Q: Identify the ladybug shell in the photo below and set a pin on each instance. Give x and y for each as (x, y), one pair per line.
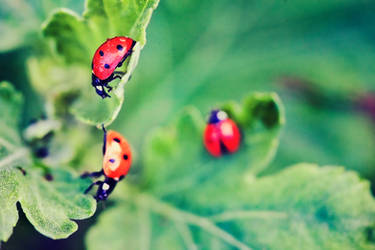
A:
(222, 137)
(117, 156)
(110, 54)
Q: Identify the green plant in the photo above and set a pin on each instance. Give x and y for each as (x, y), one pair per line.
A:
(177, 196)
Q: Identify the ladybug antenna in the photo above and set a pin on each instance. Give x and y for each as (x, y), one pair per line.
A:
(103, 128)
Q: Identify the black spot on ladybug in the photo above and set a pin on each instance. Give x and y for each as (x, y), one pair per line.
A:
(125, 157)
(117, 140)
(223, 148)
(106, 66)
(119, 47)
(101, 53)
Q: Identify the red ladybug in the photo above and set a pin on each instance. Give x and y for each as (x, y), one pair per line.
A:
(110, 55)
(221, 134)
(116, 164)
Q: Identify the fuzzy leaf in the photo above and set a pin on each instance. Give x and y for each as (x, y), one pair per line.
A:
(48, 205)
(76, 39)
(311, 208)
(304, 206)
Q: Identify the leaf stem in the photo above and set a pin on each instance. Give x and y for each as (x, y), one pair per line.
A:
(145, 222)
(248, 214)
(175, 214)
(185, 233)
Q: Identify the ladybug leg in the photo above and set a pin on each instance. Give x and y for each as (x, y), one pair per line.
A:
(105, 189)
(117, 76)
(119, 73)
(104, 94)
(92, 185)
(92, 174)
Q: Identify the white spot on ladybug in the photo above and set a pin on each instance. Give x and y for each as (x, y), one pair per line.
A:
(226, 129)
(99, 88)
(114, 148)
(112, 155)
(222, 115)
(116, 179)
(105, 186)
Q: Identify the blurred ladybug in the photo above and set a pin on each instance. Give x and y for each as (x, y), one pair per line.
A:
(109, 56)
(116, 164)
(221, 135)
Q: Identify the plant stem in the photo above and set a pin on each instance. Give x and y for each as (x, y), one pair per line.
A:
(261, 214)
(175, 214)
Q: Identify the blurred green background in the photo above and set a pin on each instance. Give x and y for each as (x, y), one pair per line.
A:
(319, 56)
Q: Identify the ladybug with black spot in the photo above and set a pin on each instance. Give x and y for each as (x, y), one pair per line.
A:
(221, 135)
(109, 56)
(116, 164)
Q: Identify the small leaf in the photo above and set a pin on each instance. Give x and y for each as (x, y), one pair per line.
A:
(169, 151)
(8, 199)
(40, 129)
(76, 39)
(93, 110)
(49, 205)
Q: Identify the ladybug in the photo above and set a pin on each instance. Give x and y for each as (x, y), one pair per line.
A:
(116, 164)
(109, 56)
(221, 135)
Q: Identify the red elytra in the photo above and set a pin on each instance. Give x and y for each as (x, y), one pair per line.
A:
(110, 55)
(221, 135)
(116, 164)
(117, 156)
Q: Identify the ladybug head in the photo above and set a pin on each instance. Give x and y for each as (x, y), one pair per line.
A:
(105, 189)
(103, 195)
(99, 86)
(217, 116)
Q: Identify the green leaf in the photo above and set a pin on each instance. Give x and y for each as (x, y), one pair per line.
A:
(48, 205)
(8, 199)
(304, 206)
(21, 28)
(93, 110)
(170, 150)
(76, 38)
